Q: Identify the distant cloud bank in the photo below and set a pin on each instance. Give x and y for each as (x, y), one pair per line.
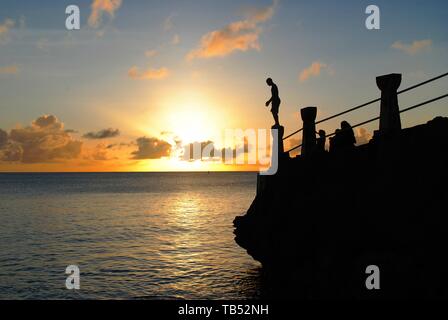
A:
(46, 141)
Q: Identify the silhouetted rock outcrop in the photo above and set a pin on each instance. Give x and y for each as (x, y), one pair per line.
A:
(321, 220)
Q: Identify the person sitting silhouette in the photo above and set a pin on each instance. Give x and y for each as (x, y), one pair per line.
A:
(334, 141)
(346, 139)
(320, 143)
(274, 101)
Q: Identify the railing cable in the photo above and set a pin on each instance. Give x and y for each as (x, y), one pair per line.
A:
(370, 102)
(422, 83)
(377, 118)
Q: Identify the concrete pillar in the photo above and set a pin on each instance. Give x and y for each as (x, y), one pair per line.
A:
(280, 134)
(309, 129)
(389, 113)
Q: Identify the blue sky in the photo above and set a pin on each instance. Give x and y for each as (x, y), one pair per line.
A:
(82, 77)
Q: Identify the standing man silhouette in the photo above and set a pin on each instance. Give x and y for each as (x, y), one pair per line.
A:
(275, 100)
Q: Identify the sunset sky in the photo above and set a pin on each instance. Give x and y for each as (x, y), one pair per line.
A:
(143, 79)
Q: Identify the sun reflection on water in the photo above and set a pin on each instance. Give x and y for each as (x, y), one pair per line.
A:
(155, 236)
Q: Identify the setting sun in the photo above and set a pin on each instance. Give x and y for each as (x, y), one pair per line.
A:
(193, 118)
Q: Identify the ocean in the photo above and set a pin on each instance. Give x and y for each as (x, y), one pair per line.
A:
(132, 235)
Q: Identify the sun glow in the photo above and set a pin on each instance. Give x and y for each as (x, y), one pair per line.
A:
(190, 125)
(194, 118)
(179, 117)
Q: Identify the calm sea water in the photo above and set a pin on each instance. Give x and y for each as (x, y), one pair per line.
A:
(133, 235)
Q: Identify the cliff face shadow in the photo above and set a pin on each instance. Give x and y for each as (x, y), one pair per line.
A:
(321, 220)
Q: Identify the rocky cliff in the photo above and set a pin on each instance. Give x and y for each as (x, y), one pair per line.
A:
(321, 220)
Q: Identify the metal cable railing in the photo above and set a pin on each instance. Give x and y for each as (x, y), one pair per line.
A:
(377, 118)
(370, 102)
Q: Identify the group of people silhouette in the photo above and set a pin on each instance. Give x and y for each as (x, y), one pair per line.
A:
(343, 139)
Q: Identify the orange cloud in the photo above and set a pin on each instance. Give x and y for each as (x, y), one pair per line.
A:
(313, 70)
(9, 70)
(103, 6)
(362, 136)
(237, 36)
(413, 48)
(150, 74)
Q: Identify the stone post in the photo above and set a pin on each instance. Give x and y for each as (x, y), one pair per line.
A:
(281, 133)
(309, 130)
(390, 122)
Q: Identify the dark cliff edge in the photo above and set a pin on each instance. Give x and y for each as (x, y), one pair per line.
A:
(320, 221)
